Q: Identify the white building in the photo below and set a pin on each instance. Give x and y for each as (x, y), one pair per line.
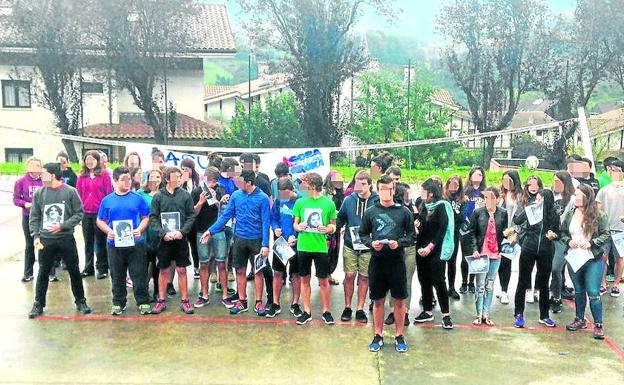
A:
(108, 112)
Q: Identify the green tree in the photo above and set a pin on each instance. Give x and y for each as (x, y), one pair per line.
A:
(380, 116)
(275, 126)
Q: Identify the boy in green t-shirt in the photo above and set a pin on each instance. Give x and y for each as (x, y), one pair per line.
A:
(315, 217)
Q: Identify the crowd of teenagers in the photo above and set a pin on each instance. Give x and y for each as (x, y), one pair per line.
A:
(143, 224)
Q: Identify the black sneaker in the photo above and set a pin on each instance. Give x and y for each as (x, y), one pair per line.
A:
(274, 309)
(303, 318)
(53, 278)
(295, 310)
(360, 317)
(102, 274)
(347, 313)
(36, 310)
(471, 288)
(87, 273)
(447, 323)
(82, 307)
(27, 278)
(250, 276)
(453, 294)
(389, 319)
(233, 297)
(328, 318)
(567, 293)
(400, 345)
(423, 317)
(196, 274)
(463, 289)
(556, 306)
(377, 343)
(171, 291)
(406, 321)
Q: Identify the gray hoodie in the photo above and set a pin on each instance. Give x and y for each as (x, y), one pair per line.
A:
(55, 205)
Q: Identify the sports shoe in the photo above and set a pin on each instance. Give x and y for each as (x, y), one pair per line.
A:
(360, 316)
(400, 345)
(376, 344)
(218, 288)
(328, 318)
(519, 322)
(231, 277)
(159, 307)
(36, 310)
(228, 303)
(548, 322)
(576, 325)
(82, 307)
(447, 322)
(303, 318)
(186, 307)
(201, 302)
(260, 309)
(196, 274)
(231, 292)
(615, 291)
(603, 290)
(102, 274)
(213, 278)
(390, 319)
(463, 289)
(250, 276)
(423, 317)
(27, 278)
(117, 310)
(504, 298)
(556, 306)
(239, 307)
(87, 273)
(471, 288)
(274, 310)
(347, 313)
(567, 293)
(145, 309)
(171, 291)
(453, 294)
(529, 298)
(295, 310)
(610, 278)
(598, 332)
(53, 278)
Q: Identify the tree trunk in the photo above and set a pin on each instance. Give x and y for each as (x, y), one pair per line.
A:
(488, 152)
(154, 122)
(71, 150)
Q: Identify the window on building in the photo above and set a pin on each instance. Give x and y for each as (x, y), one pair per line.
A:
(16, 93)
(17, 155)
(92, 87)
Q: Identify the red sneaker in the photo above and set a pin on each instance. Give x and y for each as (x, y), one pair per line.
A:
(186, 307)
(159, 307)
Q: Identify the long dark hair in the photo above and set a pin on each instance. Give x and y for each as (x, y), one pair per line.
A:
(568, 186)
(458, 196)
(525, 191)
(146, 186)
(469, 189)
(515, 178)
(190, 163)
(85, 170)
(590, 213)
(433, 186)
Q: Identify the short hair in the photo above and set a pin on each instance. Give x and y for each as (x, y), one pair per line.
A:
(170, 170)
(396, 170)
(62, 154)
(588, 161)
(256, 158)
(54, 169)
(122, 226)
(246, 157)
(33, 159)
(384, 160)
(214, 159)
(285, 184)
(248, 176)
(57, 207)
(212, 173)
(227, 163)
(314, 180)
(282, 169)
(608, 161)
(574, 157)
(364, 175)
(493, 190)
(119, 171)
(618, 163)
(384, 179)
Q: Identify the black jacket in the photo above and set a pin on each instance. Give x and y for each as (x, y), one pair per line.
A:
(432, 227)
(180, 201)
(478, 227)
(533, 238)
(394, 223)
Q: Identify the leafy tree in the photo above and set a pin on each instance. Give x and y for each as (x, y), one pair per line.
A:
(275, 126)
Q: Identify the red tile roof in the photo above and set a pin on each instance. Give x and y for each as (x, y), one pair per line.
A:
(133, 126)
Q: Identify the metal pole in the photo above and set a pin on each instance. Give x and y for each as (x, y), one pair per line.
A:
(409, 84)
(249, 102)
(166, 106)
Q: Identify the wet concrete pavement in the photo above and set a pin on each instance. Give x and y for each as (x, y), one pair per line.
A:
(213, 347)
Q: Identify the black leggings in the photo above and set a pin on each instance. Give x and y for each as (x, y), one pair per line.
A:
(431, 275)
(504, 273)
(93, 237)
(528, 259)
(451, 264)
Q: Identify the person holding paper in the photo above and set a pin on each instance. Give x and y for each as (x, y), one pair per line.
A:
(475, 185)
(282, 221)
(485, 238)
(510, 193)
(355, 258)
(586, 227)
(536, 240)
(432, 221)
(387, 228)
(454, 194)
(611, 200)
(129, 207)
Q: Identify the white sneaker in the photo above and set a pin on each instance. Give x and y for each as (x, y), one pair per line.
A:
(529, 296)
(504, 298)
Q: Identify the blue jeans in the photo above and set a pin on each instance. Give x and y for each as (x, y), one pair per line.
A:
(217, 243)
(587, 284)
(485, 288)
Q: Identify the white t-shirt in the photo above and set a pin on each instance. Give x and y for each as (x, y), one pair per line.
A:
(612, 199)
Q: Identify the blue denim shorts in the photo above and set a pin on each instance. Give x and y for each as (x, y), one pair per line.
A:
(215, 248)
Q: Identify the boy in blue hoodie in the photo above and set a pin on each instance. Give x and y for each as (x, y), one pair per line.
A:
(282, 220)
(356, 257)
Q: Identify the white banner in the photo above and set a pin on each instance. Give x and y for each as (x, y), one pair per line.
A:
(300, 160)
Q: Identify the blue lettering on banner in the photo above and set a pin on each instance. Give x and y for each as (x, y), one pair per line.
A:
(305, 162)
(172, 158)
